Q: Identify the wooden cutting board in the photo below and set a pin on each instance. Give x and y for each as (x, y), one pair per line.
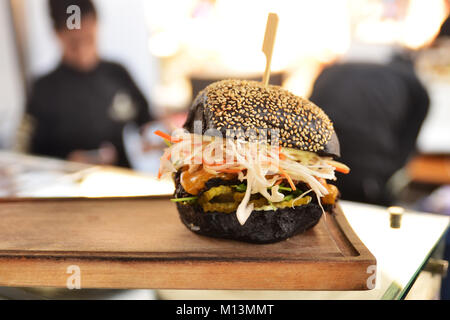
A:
(141, 243)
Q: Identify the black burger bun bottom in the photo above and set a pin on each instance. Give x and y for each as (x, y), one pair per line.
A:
(261, 226)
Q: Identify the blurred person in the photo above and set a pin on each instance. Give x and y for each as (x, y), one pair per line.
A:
(444, 31)
(80, 108)
(377, 111)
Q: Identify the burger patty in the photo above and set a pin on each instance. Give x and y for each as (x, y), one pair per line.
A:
(215, 182)
(230, 206)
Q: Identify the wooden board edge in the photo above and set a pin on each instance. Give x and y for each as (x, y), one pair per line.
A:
(184, 257)
(62, 199)
(352, 237)
(23, 272)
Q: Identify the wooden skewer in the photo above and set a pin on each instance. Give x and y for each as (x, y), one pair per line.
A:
(269, 41)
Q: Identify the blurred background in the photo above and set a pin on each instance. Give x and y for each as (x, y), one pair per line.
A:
(379, 69)
(93, 96)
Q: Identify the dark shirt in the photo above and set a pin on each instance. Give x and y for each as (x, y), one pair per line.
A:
(377, 111)
(76, 110)
(445, 28)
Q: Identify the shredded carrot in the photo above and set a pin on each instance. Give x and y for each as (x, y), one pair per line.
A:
(322, 181)
(282, 156)
(230, 170)
(339, 167)
(218, 163)
(159, 173)
(288, 178)
(278, 182)
(168, 156)
(342, 170)
(212, 164)
(167, 137)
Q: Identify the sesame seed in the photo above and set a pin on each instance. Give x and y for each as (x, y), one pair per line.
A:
(249, 104)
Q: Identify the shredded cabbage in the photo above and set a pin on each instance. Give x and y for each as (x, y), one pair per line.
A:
(260, 165)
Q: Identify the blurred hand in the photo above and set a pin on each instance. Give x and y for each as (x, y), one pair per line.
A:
(105, 155)
(148, 146)
(148, 143)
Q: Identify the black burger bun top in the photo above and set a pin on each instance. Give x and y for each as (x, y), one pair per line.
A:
(241, 105)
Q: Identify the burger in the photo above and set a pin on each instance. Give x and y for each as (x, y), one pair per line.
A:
(252, 163)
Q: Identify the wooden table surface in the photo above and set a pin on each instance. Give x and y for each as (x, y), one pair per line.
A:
(433, 169)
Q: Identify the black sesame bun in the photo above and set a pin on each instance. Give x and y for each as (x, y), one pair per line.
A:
(240, 104)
